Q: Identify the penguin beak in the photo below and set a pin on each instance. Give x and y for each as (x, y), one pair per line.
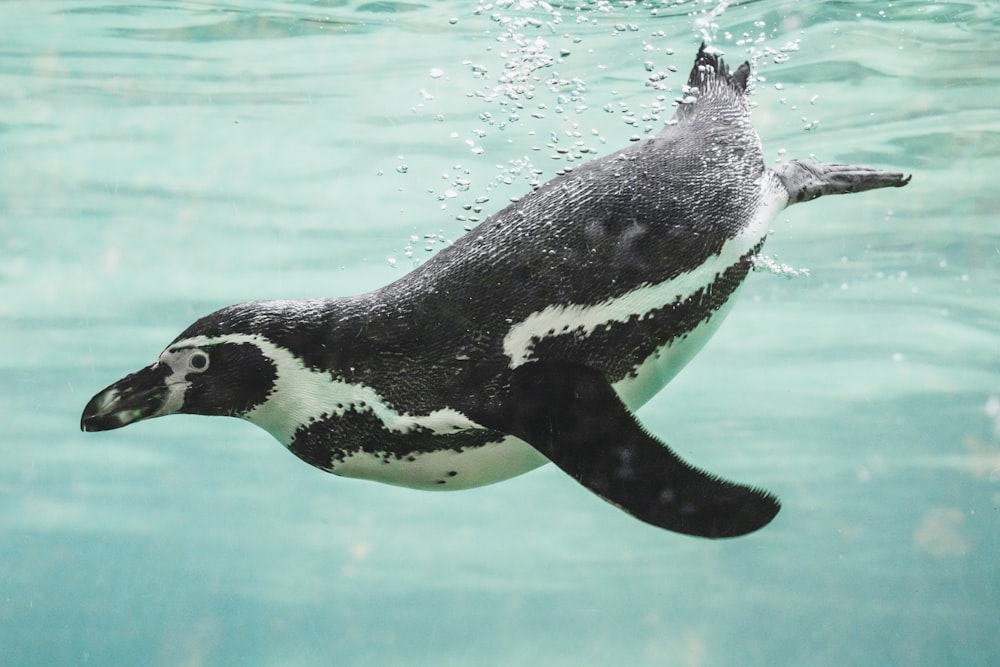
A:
(140, 395)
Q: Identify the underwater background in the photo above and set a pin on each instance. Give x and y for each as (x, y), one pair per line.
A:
(160, 160)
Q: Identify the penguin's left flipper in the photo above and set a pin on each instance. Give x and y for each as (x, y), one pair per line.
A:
(571, 414)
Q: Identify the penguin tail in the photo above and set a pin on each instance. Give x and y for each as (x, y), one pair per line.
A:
(711, 86)
(711, 71)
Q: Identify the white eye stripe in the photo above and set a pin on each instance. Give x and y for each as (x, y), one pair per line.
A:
(301, 395)
(185, 360)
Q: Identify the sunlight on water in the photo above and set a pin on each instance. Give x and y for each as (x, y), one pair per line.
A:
(162, 160)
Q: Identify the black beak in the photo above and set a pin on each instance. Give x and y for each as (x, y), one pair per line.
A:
(140, 395)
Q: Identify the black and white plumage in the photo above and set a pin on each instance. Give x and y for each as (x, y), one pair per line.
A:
(532, 338)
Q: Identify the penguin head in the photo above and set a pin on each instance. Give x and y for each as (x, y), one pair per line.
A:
(220, 375)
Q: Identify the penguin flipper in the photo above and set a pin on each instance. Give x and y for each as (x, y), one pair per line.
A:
(571, 414)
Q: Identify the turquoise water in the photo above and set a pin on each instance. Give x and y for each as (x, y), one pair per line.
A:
(161, 160)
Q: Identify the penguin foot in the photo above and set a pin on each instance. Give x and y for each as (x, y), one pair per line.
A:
(808, 180)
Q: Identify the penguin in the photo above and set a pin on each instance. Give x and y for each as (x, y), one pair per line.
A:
(531, 339)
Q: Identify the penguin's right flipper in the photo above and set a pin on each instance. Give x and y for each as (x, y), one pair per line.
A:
(571, 414)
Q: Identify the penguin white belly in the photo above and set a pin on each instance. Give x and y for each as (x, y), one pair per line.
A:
(446, 469)
(667, 361)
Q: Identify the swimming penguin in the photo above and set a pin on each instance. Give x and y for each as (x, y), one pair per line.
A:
(532, 338)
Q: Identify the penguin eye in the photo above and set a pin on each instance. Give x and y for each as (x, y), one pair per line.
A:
(197, 361)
